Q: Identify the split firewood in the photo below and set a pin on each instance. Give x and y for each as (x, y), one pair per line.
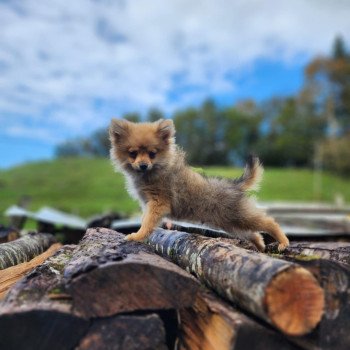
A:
(279, 292)
(24, 249)
(211, 324)
(42, 309)
(104, 265)
(36, 313)
(9, 276)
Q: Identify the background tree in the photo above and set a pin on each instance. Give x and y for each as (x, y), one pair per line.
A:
(328, 83)
(154, 114)
(292, 134)
(201, 132)
(283, 131)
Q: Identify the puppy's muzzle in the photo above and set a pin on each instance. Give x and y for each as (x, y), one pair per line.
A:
(143, 167)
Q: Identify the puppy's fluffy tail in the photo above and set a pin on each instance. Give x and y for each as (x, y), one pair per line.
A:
(250, 179)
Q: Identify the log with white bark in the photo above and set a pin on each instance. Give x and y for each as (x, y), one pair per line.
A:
(282, 293)
(24, 248)
(9, 276)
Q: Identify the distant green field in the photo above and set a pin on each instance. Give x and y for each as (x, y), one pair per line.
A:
(89, 186)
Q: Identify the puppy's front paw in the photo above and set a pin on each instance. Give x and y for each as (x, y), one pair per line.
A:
(136, 236)
(283, 246)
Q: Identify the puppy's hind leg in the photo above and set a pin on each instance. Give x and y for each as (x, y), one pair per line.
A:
(269, 225)
(255, 237)
(258, 240)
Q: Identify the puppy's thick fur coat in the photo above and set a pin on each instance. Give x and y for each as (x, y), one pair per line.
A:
(157, 175)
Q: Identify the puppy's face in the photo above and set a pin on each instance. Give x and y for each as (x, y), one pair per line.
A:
(141, 147)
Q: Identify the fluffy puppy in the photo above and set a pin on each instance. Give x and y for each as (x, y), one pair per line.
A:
(157, 176)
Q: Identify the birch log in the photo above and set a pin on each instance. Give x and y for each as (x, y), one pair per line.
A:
(9, 276)
(279, 292)
(24, 249)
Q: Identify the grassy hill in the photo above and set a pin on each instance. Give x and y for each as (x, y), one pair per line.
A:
(89, 186)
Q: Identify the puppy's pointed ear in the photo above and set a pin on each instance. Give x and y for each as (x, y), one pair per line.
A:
(118, 129)
(166, 130)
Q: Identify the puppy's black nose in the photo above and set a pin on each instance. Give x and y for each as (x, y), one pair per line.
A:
(143, 167)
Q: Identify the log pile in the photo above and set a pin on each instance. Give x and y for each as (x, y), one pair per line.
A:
(179, 291)
(108, 290)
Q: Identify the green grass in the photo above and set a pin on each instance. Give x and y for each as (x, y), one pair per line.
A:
(89, 186)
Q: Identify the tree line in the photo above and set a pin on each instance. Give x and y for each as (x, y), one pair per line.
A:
(310, 128)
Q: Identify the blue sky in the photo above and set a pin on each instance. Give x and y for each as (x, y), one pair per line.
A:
(65, 70)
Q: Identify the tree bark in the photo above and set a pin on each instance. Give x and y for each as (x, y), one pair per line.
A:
(127, 332)
(211, 323)
(24, 249)
(144, 280)
(208, 232)
(281, 293)
(335, 251)
(9, 276)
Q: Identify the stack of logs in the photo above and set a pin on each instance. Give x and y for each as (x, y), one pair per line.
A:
(178, 291)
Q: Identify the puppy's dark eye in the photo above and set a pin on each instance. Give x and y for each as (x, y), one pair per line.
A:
(152, 155)
(133, 154)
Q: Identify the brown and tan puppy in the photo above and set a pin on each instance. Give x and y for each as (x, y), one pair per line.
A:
(157, 175)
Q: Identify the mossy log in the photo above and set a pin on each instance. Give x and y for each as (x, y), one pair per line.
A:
(9, 276)
(279, 292)
(335, 251)
(211, 324)
(24, 249)
(145, 281)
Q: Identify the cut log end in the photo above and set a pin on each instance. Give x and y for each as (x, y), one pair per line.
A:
(295, 301)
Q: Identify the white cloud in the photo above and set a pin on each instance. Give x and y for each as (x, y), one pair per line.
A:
(58, 59)
(40, 134)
